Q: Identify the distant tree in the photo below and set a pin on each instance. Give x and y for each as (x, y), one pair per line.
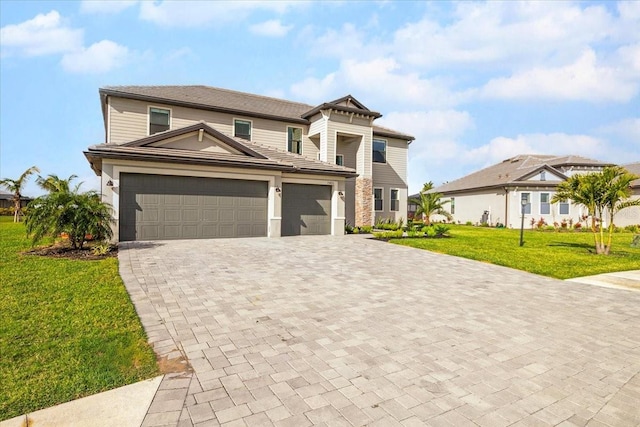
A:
(15, 186)
(604, 194)
(67, 210)
(429, 204)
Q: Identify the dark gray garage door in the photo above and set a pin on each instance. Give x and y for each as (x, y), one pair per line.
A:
(306, 209)
(159, 207)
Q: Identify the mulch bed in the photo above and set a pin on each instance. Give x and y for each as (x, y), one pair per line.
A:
(65, 251)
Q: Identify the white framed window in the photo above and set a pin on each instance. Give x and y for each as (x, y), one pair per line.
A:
(242, 129)
(395, 200)
(339, 160)
(526, 197)
(294, 140)
(159, 120)
(545, 206)
(378, 202)
(563, 208)
(379, 151)
(543, 175)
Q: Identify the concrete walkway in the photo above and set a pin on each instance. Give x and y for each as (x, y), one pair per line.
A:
(626, 280)
(349, 331)
(123, 407)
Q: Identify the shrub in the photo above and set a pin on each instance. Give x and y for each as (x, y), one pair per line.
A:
(386, 235)
(415, 233)
(577, 226)
(468, 223)
(541, 223)
(635, 228)
(441, 230)
(366, 229)
(355, 230)
(76, 214)
(348, 228)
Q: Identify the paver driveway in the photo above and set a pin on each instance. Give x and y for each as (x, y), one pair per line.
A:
(349, 331)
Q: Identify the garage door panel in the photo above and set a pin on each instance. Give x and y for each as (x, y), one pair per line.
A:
(190, 215)
(191, 200)
(210, 215)
(156, 207)
(172, 200)
(189, 232)
(306, 209)
(150, 215)
(172, 215)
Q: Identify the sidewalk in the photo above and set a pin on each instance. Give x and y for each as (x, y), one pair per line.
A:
(628, 280)
(125, 406)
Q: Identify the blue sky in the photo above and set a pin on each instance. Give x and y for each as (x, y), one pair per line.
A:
(475, 83)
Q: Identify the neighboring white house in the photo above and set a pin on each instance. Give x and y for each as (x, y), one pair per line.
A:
(182, 162)
(631, 216)
(494, 195)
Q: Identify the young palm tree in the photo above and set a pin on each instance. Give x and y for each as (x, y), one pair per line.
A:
(603, 194)
(54, 184)
(16, 186)
(430, 204)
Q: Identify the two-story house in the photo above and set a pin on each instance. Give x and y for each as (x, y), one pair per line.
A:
(182, 162)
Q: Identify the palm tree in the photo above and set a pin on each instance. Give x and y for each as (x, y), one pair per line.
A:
(54, 184)
(429, 204)
(603, 194)
(16, 186)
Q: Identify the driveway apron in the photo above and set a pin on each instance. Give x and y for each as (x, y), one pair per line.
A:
(321, 330)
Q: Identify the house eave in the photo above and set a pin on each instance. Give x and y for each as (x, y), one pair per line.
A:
(168, 101)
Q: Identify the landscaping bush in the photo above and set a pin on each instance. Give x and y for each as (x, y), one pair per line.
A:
(441, 230)
(386, 235)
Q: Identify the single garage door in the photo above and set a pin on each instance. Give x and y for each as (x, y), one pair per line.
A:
(160, 207)
(306, 209)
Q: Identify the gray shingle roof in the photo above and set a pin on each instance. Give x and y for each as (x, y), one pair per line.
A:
(514, 170)
(255, 155)
(225, 100)
(634, 168)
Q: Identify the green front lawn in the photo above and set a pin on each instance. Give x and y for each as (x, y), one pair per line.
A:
(562, 255)
(67, 328)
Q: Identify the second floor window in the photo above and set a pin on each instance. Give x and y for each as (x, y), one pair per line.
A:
(395, 202)
(339, 160)
(294, 140)
(159, 120)
(379, 151)
(242, 129)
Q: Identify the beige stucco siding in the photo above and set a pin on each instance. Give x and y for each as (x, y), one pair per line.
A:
(394, 171)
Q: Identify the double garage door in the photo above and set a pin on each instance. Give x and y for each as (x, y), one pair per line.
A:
(160, 207)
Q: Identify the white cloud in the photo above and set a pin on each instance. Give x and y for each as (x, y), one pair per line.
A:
(43, 35)
(272, 28)
(199, 13)
(98, 58)
(501, 147)
(105, 6)
(382, 81)
(582, 80)
(494, 34)
(629, 129)
(436, 146)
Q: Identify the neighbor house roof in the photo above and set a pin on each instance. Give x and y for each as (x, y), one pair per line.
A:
(253, 155)
(233, 102)
(634, 168)
(516, 170)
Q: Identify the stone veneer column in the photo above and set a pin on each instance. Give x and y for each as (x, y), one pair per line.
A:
(364, 201)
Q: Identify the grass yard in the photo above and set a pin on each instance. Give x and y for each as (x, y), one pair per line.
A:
(67, 328)
(562, 255)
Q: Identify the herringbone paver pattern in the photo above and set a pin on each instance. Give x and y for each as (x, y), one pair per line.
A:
(348, 331)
